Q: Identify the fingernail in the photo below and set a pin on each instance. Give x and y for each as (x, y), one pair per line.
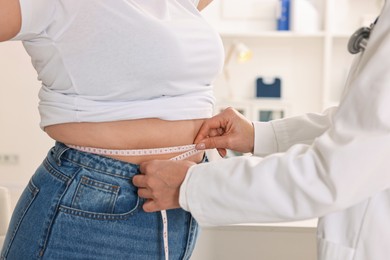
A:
(200, 146)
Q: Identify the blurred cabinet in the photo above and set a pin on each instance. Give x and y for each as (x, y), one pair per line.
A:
(313, 65)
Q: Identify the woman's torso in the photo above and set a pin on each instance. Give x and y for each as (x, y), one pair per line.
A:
(130, 134)
(125, 74)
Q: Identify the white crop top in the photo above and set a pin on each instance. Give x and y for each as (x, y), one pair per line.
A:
(102, 60)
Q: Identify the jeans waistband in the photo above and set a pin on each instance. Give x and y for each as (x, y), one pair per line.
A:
(61, 152)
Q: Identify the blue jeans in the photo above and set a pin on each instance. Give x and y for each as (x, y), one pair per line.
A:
(84, 206)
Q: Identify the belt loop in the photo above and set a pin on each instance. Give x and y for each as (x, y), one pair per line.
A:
(60, 149)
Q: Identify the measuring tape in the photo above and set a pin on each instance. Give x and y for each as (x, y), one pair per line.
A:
(185, 150)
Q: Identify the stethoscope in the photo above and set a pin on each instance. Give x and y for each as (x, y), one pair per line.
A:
(358, 41)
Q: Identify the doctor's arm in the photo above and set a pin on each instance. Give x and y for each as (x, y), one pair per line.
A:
(231, 130)
(347, 164)
(10, 19)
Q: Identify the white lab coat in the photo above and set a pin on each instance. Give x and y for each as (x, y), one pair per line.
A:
(334, 166)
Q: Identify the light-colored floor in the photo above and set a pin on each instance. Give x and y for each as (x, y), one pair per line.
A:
(256, 243)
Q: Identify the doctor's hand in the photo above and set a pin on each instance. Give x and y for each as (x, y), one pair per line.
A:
(159, 183)
(227, 130)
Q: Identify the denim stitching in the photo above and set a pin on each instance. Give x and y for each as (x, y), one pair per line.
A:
(62, 150)
(34, 191)
(97, 170)
(99, 184)
(192, 230)
(53, 171)
(52, 213)
(58, 154)
(100, 216)
(113, 190)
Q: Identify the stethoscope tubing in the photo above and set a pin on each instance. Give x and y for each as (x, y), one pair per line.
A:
(359, 39)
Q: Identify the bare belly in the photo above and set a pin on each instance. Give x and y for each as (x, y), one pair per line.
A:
(129, 134)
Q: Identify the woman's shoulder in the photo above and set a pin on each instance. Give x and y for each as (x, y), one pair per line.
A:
(10, 19)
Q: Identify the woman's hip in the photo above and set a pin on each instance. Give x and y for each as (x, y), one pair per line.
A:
(80, 205)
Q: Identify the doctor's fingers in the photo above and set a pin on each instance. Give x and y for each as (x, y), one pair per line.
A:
(228, 121)
(150, 206)
(167, 202)
(150, 168)
(144, 193)
(220, 142)
(149, 182)
(153, 206)
(240, 141)
(139, 181)
(157, 200)
(149, 188)
(211, 127)
(216, 132)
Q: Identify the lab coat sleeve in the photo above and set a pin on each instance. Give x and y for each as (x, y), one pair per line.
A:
(345, 165)
(279, 135)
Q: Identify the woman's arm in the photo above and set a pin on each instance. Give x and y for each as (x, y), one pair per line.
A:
(203, 3)
(10, 19)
